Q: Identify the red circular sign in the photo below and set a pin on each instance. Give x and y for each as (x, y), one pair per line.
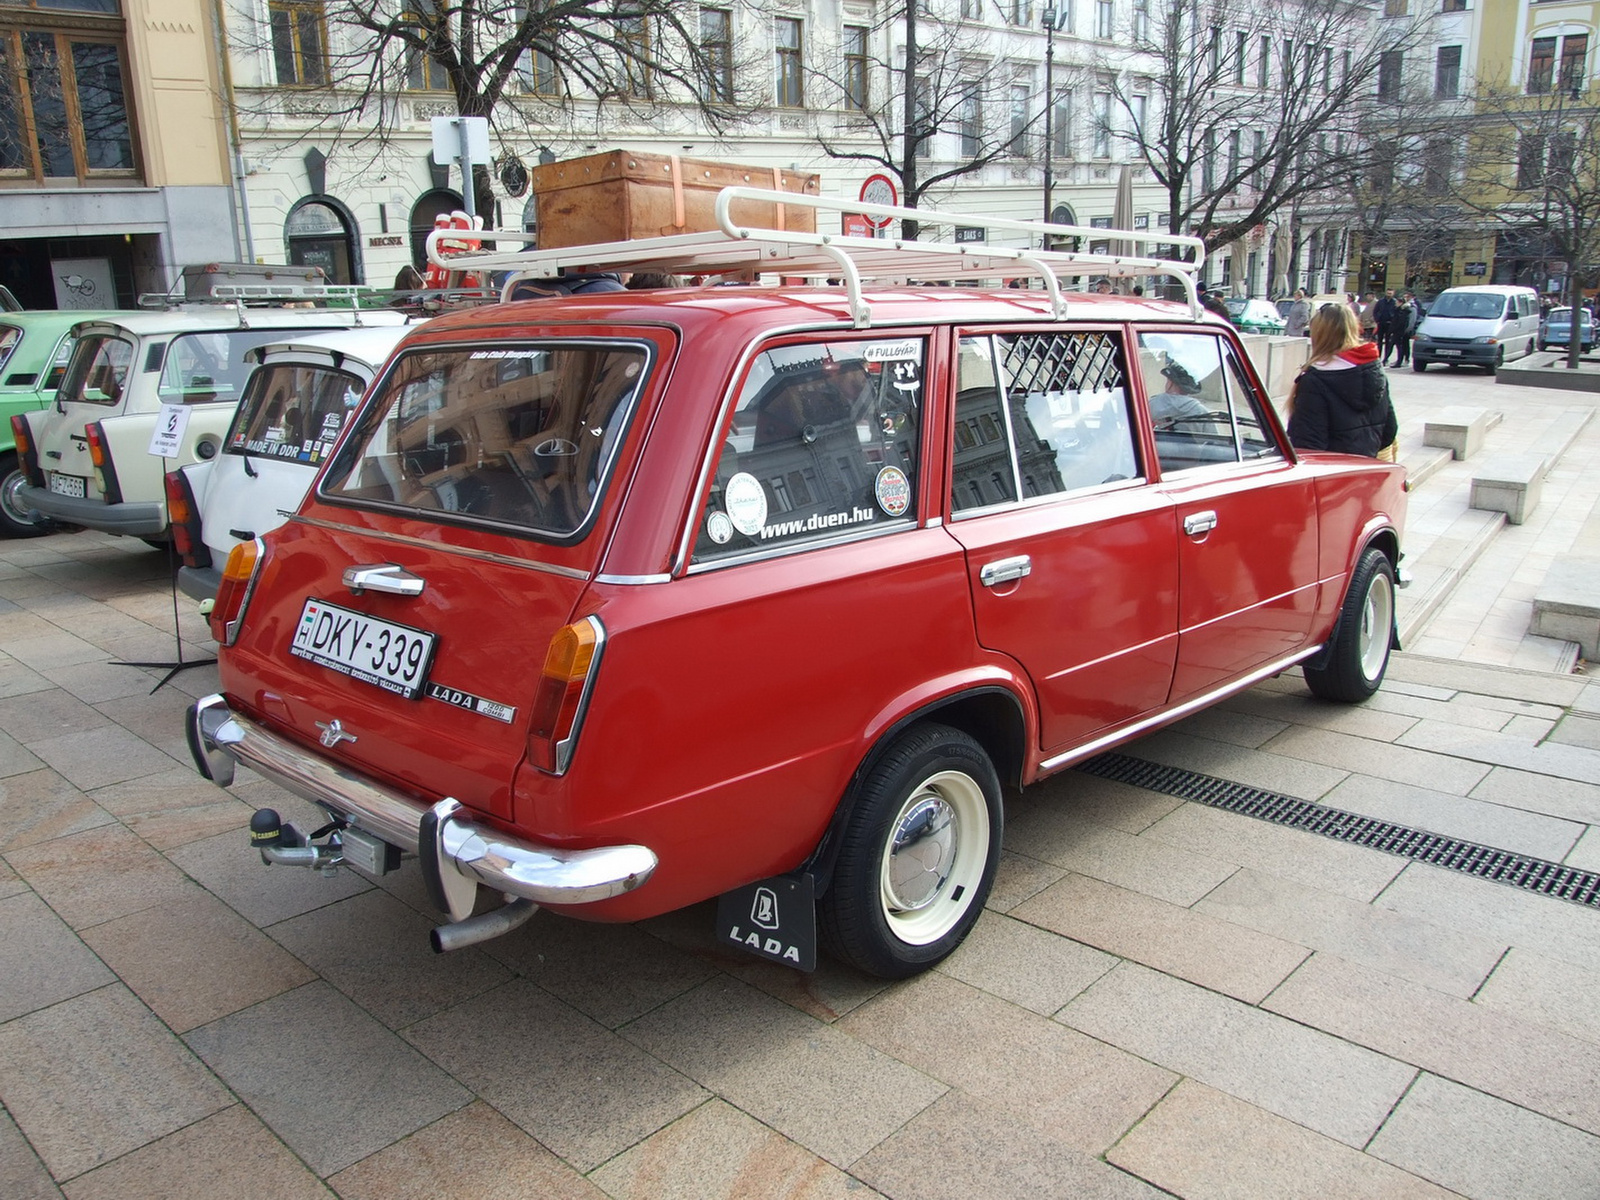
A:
(879, 189)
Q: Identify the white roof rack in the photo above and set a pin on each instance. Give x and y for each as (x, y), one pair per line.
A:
(754, 250)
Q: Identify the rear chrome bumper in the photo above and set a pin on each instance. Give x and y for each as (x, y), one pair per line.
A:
(445, 842)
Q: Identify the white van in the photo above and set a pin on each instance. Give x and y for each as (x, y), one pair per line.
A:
(293, 410)
(1483, 325)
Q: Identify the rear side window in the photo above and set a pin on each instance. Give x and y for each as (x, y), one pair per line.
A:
(823, 443)
(520, 436)
(10, 339)
(98, 371)
(202, 368)
(295, 413)
(1037, 415)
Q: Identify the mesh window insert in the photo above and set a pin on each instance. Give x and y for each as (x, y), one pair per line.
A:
(517, 436)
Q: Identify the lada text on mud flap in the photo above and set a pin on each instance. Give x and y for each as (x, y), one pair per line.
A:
(615, 603)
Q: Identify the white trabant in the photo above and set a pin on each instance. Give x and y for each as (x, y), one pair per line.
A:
(293, 410)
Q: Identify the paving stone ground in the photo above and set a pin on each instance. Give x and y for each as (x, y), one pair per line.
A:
(1163, 998)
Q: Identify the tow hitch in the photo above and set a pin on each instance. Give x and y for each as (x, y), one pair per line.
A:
(340, 844)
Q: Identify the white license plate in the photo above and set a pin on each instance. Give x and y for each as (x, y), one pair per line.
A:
(1448, 353)
(69, 485)
(393, 657)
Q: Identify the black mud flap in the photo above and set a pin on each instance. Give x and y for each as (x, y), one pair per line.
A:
(773, 918)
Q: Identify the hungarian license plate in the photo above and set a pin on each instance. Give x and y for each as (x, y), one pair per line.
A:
(1448, 353)
(393, 657)
(69, 485)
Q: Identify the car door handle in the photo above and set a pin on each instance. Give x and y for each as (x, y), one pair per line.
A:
(1004, 570)
(1200, 522)
(383, 577)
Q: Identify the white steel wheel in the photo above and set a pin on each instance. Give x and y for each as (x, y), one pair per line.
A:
(934, 858)
(1358, 657)
(917, 856)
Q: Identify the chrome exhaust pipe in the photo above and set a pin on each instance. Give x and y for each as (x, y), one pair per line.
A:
(481, 927)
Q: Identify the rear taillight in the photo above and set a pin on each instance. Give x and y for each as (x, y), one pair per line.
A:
(570, 665)
(27, 452)
(184, 514)
(233, 593)
(105, 475)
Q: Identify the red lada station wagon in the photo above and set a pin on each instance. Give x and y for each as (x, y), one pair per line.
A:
(614, 603)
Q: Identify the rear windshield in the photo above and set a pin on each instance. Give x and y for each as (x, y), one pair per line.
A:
(1476, 306)
(294, 413)
(516, 435)
(98, 371)
(202, 368)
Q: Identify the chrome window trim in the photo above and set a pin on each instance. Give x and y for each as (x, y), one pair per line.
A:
(434, 545)
(631, 580)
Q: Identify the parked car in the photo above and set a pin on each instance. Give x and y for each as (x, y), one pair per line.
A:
(33, 356)
(87, 458)
(1482, 325)
(294, 406)
(1556, 329)
(615, 603)
(1255, 316)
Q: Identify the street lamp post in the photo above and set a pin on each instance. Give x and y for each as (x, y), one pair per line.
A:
(1049, 104)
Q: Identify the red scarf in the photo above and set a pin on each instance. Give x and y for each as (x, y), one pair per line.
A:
(1364, 353)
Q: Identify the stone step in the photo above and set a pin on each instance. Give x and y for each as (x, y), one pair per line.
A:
(1438, 568)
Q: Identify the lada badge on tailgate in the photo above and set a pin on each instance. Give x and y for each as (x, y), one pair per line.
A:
(393, 657)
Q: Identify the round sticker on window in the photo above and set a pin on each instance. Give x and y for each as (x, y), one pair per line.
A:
(719, 529)
(894, 491)
(746, 503)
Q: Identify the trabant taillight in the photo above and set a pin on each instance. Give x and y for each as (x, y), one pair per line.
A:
(27, 453)
(105, 475)
(233, 593)
(570, 665)
(184, 515)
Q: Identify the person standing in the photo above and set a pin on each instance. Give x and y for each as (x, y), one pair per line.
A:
(1340, 400)
(1298, 320)
(1383, 317)
(1367, 316)
(1406, 319)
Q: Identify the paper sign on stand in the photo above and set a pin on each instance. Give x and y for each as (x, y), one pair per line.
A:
(170, 426)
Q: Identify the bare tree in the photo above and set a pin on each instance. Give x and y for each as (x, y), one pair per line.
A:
(944, 89)
(1529, 166)
(528, 66)
(1241, 110)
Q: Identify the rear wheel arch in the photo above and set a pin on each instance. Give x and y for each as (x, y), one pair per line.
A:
(993, 716)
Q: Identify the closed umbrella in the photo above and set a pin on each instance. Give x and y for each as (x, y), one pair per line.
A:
(1240, 253)
(1122, 211)
(1282, 278)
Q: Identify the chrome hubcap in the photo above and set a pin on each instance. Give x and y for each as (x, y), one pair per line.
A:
(920, 854)
(9, 487)
(934, 858)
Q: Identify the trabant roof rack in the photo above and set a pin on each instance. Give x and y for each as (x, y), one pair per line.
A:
(750, 251)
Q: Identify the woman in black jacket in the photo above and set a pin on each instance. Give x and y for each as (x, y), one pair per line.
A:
(1341, 399)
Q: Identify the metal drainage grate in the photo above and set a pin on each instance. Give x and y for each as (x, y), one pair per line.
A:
(1485, 862)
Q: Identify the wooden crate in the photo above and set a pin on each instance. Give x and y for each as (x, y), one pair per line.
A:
(617, 196)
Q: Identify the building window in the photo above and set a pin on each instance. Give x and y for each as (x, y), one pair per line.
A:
(1235, 152)
(1395, 8)
(1264, 63)
(1021, 12)
(1017, 144)
(791, 86)
(1389, 65)
(540, 77)
(1141, 20)
(1453, 6)
(1105, 18)
(1139, 106)
(1061, 126)
(1437, 166)
(1102, 124)
(1288, 63)
(1541, 65)
(716, 42)
(856, 92)
(424, 73)
(633, 39)
(972, 10)
(1241, 56)
(971, 119)
(63, 111)
(1447, 73)
(1530, 160)
(299, 46)
(1574, 55)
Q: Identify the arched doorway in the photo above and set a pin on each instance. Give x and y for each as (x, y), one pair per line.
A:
(320, 232)
(428, 206)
